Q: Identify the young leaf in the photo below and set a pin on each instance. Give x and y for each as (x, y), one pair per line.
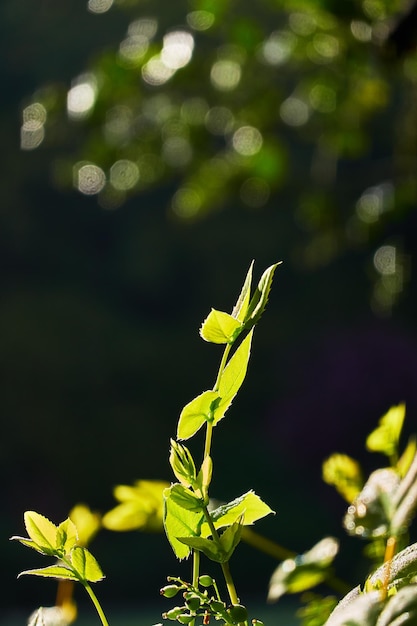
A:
(53, 571)
(42, 532)
(206, 546)
(344, 473)
(141, 507)
(220, 327)
(241, 306)
(249, 504)
(196, 413)
(362, 610)
(182, 464)
(86, 522)
(185, 498)
(386, 436)
(233, 377)
(231, 538)
(66, 536)
(260, 297)
(180, 522)
(86, 565)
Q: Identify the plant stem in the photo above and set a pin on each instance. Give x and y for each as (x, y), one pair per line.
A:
(209, 429)
(95, 602)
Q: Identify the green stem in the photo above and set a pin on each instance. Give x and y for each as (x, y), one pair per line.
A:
(209, 429)
(95, 602)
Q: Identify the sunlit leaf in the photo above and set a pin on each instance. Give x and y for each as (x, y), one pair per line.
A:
(260, 297)
(141, 507)
(249, 507)
(180, 522)
(86, 522)
(241, 306)
(86, 565)
(385, 438)
(230, 538)
(344, 473)
(53, 571)
(233, 377)
(42, 532)
(220, 327)
(407, 456)
(206, 546)
(67, 536)
(196, 413)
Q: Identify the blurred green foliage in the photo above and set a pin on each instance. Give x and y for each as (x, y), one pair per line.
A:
(292, 105)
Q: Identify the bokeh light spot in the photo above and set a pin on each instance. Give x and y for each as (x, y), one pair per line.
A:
(385, 260)
(177, 49)
(145, 27)
(89, 178)
(155, 72)
(225, 74)
(200, 20)
(124, 174)
(133, 49)
(247, 140)
(323, 98)
(186, 202)
(278, 47)
(294, 111)
(99, 6)
(32, 131)
(374, 201)
(82, 96)
(302, 23)
(361, 30)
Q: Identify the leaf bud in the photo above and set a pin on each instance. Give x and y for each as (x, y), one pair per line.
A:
(172, 614)
(185, 618)
(205, 580)
(169, 591)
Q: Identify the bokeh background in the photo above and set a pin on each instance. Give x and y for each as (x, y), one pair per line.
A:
(150, 151)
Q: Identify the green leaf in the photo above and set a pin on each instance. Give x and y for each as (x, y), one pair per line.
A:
(185, 498)
(206, 546)
(233, 377)
(42, 532)
(180, 522)
(220, 327)
(241, 306)
(344, 473)
(386, 437)
(141, 507)
(260, 297)
(182, 464)
(53, 571)
(305, 571)
(66, 536)
(196, 413)
(248, 505)
(86, 565)
(231, 538)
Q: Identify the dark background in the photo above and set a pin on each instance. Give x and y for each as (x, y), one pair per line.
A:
(99, 318)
